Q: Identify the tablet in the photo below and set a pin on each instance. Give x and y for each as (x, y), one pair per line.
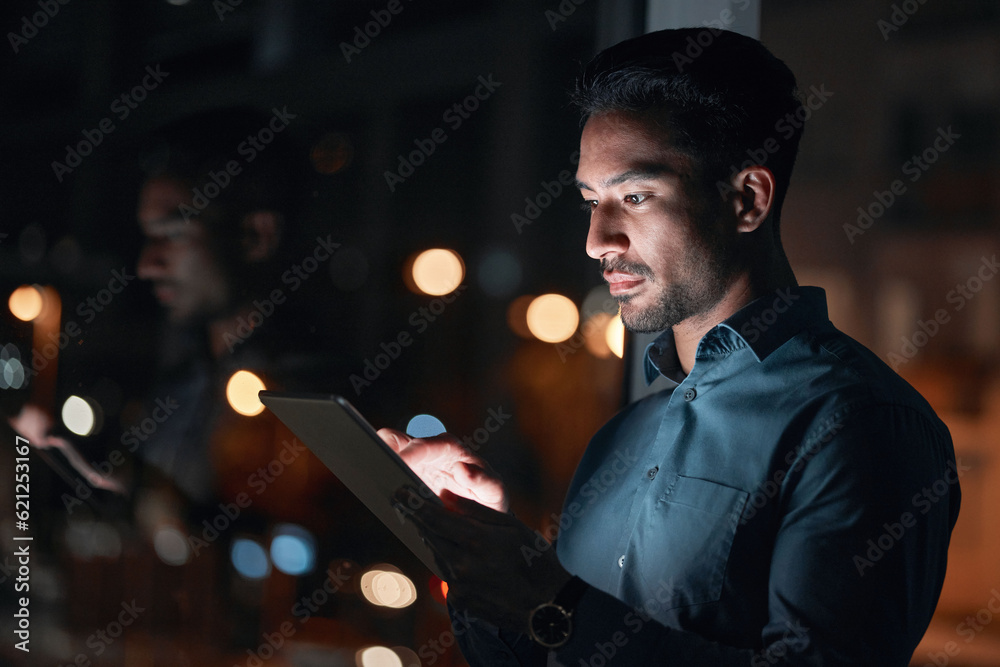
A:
(348, 445)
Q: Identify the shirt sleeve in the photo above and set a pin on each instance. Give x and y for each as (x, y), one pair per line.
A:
(857, 563)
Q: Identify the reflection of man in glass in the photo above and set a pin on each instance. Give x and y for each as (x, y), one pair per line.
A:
(213, 220)
(727, 520)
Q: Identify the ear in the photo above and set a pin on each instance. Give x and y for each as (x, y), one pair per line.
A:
(261, 235)
(753, 197)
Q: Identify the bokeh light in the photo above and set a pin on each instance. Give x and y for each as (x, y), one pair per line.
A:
(12, 373)
(424, 426)
(249, 558)
(332, 153)
(293, 549)
(241, 392)
(616, 337)
(438, 271)
(438, 589)
(385, 586)
(595, 335)
(26, 303)
(407, 656)
(80, 415)
(552, 318)
(599, 300)
(517, 315)
(378, 656)
(171, 547)
(87, 539)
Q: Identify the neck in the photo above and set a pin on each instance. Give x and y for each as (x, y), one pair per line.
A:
(746, 286)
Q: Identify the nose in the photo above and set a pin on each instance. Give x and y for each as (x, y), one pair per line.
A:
(607, 237)
(152, 262)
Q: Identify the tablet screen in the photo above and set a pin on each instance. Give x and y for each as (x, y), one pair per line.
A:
(348, 445)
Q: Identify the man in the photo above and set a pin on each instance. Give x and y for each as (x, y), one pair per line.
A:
(216, 208)
(730, 519)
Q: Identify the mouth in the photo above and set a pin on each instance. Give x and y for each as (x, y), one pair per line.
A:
(620, 282)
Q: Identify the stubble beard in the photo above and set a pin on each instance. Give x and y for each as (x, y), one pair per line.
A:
(702, 281)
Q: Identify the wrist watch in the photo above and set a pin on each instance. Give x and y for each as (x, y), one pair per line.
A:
(551, 623)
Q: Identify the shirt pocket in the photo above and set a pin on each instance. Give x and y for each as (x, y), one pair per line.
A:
(685, 540)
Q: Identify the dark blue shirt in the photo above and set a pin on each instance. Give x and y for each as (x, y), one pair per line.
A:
(790, 501)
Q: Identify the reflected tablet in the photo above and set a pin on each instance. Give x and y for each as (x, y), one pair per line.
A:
(348, 445)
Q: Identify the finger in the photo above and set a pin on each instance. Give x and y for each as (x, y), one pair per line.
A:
(397, 440)
(484, 487)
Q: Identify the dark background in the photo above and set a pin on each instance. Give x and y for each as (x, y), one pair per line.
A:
(893, 90)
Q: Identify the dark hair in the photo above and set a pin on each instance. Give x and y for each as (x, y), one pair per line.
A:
(721, 94)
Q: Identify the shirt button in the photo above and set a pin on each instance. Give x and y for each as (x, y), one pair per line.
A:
(652, 472)
(689, 394)
(621, 562)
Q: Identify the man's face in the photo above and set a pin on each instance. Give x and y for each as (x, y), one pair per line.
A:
(658, 234)
(187, 278)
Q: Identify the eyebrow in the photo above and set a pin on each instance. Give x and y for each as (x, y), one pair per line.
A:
(644, 173)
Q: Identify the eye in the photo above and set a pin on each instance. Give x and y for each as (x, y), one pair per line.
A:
(636, 199)
(588, 205)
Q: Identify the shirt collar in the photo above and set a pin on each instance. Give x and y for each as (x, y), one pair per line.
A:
(763, 325)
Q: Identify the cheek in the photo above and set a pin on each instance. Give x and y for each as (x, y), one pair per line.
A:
(193, 257)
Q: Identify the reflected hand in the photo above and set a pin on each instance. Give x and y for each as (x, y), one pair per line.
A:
(443, 462)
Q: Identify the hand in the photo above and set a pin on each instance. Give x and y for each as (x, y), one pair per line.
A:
(443, 462)
(496, 567)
